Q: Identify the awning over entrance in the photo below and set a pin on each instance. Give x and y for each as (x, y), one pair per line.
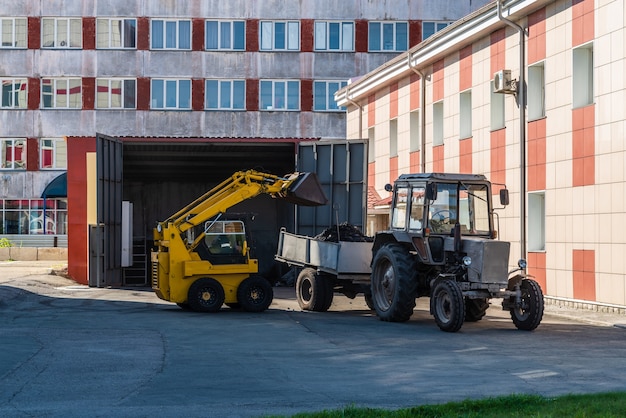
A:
(56, 188)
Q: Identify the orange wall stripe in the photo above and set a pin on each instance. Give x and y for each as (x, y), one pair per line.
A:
(537, 36)
(438, 154)
(437, 77)
(393, 101)
(393, 169)
(537, 269)
(465, 77)
(415, 92)
(584, 274)
(582, 21)
(465, 160)
(371, 111)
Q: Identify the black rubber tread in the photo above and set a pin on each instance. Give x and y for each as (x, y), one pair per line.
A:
(202, 289)
(393, 283)
(312, 291)
(475, 309)
(528, 317)
(184, 306)
(448, 305)
(255, 294)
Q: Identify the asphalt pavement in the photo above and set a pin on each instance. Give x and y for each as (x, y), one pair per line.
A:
(67, 350)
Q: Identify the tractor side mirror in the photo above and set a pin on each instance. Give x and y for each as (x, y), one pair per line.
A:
(431, 191)
(504, 197)
(388, 187)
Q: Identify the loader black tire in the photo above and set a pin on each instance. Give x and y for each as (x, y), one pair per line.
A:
(255, 294)
(393, 283)
(448, 305)
(205, 295)
(475, 309)
(528, 316)
(314, 291)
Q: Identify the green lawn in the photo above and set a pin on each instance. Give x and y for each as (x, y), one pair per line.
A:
(582, 406)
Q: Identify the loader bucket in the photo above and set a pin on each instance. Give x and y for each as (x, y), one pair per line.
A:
(306, 190)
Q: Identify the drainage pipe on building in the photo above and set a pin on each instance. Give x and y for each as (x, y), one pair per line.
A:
(352, 102)
(422, 112)
(521, 97)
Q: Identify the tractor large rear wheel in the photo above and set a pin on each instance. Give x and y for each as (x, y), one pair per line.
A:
(528, 315)
(393, 283)
(313, 291)
(447, 305)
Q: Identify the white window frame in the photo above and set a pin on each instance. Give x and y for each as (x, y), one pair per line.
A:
(57, 84)
(124, 87)
(438, 25)
(536, 221)
(393, 138)
(269, 38)
(582, 75)
(371, 145)
(13, 37)
(166, 28)
(225, 87)
(167, 84)
(383, 24)
(415, 131)
(17, 89)
(58, 148)
(465, 114)
(109, 38)
(232, 33)
(536, 91)
(12, 164)
(497, 114)
(438, 123)
(276, 95)
(345, 36)
(61, 32)
(329, 102)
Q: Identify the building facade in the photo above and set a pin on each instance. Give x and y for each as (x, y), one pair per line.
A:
(552, 130)
(231, 73)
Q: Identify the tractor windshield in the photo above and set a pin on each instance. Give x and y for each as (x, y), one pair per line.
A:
(465, 204)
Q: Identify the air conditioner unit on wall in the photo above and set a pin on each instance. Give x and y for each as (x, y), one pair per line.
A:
(502, 82)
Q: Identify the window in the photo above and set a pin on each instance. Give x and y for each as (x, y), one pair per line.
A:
(171, 34)
(334, 36)
(280, 95)
(393, 138)
(280, 36)
(465, 116)
(33, 216)
(61, 93)
(415, 131)
(225, 94)
(171, 94)
(61, 32)
(497, 108)
(225, 35)
(583, 76)
(13, 32)
(14, 93)
(437, 123)
(13, 153)
(536, 92)
(417, 207)
(398, 215)
(115, 93)
(52, 153)
(536, 221)
(371, 145)
(116, 33)
(430, 28)
(324, 95)
(388, 36)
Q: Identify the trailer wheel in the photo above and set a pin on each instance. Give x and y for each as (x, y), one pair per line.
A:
(393, 283)
(314, 292)
(255, 294)
(447, 305)
(475, 309)
(528, 316)
(205, 295)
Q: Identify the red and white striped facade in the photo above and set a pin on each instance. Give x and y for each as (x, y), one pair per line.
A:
(572, 184)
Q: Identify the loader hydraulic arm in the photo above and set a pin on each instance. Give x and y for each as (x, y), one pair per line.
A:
(298, 188)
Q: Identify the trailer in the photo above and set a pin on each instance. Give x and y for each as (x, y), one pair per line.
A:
(325, 268)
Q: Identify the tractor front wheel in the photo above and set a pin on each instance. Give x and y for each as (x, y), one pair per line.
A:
(527, 315)
(448, 305)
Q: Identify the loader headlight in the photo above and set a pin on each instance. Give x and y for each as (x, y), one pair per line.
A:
(159, 228)
(467, 261)
(522, 263)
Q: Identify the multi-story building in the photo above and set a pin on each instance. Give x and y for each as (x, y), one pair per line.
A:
(194, 89)
(552, 130)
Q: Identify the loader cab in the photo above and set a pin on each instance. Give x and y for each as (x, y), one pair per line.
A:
(224, 242)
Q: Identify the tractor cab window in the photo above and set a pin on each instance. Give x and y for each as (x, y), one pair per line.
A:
(398, 215)
(225, 237)
(460, 203)
(416, 216)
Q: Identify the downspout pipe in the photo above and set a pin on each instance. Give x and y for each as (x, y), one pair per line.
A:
(422, 112)
(521, 97)
(352, 102)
